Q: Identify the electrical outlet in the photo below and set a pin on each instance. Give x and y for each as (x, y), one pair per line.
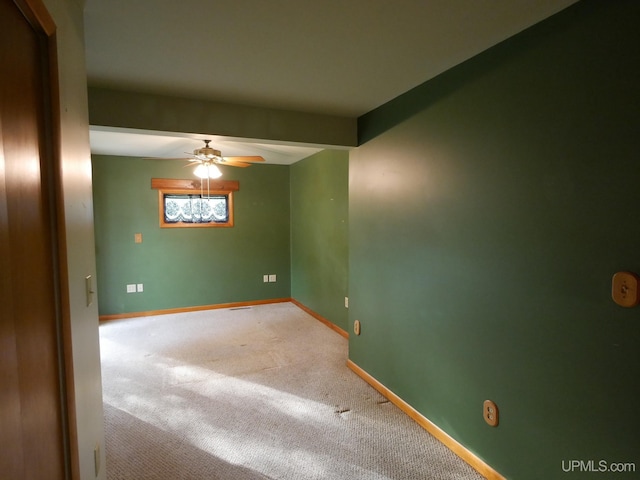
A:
(272, 278)
(490, 413)
(356, 327)
(131, 288)
(140, 287)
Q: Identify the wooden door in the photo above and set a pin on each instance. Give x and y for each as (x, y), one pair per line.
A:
(34, 440)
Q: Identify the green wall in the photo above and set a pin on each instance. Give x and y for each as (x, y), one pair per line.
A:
(183, 267)
(487, 216)
(319, 223)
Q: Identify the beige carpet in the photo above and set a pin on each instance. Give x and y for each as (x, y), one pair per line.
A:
(252, 393)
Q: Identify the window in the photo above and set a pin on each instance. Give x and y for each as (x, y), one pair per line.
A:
(188, 203)
(196, 208)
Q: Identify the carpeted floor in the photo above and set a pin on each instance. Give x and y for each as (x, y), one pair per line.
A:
(252, 393)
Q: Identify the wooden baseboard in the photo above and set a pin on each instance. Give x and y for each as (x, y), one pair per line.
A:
(329, 324)
(476, 463)
(149, 313)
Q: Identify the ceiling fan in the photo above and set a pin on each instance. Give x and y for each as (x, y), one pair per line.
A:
(207, 158)
(208, 154)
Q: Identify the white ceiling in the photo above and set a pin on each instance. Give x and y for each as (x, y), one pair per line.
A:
(140, 143)
(338, 57)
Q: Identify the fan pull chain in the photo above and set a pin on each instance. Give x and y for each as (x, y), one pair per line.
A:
(202, 195)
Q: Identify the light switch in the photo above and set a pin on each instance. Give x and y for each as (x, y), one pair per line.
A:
(138, 238)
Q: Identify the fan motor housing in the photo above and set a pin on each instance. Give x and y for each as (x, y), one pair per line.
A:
(207, 152)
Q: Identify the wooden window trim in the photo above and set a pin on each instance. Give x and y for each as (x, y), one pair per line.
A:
(193, 185)
(179, 186)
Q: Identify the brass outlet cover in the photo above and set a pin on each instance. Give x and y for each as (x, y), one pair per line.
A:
(356, 327)
(624, 289)
(490, 413)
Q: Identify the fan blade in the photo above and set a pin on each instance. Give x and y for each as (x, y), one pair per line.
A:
(234, 164)
(250, 158)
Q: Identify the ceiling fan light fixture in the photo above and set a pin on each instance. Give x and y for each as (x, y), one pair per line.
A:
(207, 171)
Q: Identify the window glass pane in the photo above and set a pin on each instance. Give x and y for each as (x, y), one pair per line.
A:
(196, 208)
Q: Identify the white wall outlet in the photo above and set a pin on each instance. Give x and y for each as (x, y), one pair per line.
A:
(346, 302)
(272, 278)
(265, 278)
(131, 288)
(140, 287)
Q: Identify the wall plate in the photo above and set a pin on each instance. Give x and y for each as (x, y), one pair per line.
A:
(490, 413)
(624, 289)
